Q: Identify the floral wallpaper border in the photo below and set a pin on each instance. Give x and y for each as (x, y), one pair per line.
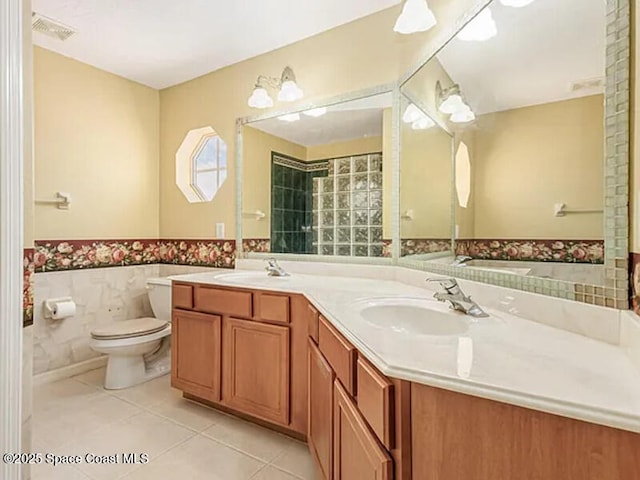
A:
(418, 246)
(256, 245)
(60, 255)
(567, 251)
(634, 277)
(27, 288)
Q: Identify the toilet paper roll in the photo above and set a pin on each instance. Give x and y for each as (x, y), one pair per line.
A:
(61, 310)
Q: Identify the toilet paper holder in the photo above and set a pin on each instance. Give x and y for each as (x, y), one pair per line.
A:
(51, 306)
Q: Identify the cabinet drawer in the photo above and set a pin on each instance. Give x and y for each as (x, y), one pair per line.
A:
(216, 300)
(182, 296)
(375, 401)
(313, 319)
(340, 354)
(272, 307)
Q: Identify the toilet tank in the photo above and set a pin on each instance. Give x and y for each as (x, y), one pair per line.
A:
(159, 290)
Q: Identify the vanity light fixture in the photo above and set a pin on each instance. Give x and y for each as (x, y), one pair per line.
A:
(291, 117)
(289, 91)
(516, 3)
(416, 17)
(424, 123)
(417, 118)
(464, 116)
(481, 28)
(316, 112)
(450, 100)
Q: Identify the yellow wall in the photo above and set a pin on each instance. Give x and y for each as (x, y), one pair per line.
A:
(528, 159)
(425, 183)
(344, 149)
(96, 137)
(256, 180)
(326, 65)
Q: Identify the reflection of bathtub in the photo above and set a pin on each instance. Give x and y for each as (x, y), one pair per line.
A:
(571, 272)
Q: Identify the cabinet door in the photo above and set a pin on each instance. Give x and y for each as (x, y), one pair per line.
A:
(357, 454)
(256, 369)
(320, 431)
(195, 354)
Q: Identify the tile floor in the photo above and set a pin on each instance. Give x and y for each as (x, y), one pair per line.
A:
(183, 440)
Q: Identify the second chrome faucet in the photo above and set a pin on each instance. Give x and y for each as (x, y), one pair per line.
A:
(454, 295)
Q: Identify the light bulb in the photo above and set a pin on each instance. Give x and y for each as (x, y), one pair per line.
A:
(464, 116)
(291, 117)
(416, 17)
(316, 112)
(453, 104)
(260, 99)
(412, 114)
(290, 92)
(481, 28)
(516, 3)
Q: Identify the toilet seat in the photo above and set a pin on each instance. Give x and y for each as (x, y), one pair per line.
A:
(137, 327)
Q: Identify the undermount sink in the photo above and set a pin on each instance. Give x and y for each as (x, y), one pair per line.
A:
(413, 316)
(248, 276)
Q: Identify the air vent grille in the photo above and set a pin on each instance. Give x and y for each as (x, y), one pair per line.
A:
(590, 84)
(50, 27)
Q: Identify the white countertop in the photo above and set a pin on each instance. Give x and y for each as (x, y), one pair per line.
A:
(503, 358)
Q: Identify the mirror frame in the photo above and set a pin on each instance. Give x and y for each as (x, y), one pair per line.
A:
(615, 291)
(369, 92)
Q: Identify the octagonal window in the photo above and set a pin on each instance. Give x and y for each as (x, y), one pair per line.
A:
(201, 165)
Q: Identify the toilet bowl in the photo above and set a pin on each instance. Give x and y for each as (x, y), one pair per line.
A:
(139, 349)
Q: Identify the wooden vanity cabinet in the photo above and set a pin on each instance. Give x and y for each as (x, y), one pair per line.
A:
(256, 369)
(195, 354)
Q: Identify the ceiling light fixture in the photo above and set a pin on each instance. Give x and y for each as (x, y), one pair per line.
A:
(516, 3)
(289, 91)
(416, 17)
(481, 28)
(291, 117)
(316, 112)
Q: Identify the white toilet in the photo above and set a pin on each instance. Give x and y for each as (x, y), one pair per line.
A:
(139, 349)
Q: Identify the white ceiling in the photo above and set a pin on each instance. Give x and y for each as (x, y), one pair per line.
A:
(164, 42)
(540, 50)
(345, 121)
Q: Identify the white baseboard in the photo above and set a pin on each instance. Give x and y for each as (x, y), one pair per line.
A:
(70, 370)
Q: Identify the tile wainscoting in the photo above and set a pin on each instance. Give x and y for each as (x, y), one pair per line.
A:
(568, 251)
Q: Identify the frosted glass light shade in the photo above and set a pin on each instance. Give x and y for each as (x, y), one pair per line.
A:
(423, 123)
(516, 3)
(481, 28)
(453, 104)
(412, 114)
(260, 99)
(463, 116)
(290, 92)
(291, 117)
(316, 112)
(416, 17)
(463, 175)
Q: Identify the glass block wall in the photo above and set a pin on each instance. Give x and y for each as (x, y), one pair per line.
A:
(347, 207)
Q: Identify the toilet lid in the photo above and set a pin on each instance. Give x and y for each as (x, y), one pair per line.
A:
(130, 328)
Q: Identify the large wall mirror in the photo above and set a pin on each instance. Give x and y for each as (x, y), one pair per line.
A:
(503, 144)
(315, 182)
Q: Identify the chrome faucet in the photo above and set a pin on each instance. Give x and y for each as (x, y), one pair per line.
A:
(461, 260)
(275, 270)
(454, 294)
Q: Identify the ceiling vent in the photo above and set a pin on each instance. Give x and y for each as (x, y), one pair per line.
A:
(591, 84)
(50, 27)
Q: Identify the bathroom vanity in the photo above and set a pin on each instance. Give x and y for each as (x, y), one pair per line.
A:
(289, 354)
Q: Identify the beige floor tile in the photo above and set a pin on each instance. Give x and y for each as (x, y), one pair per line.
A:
(189, 414)
(199, 458)
(249, 438)
(68, 425)
(66, 394)
(297, 460)
(143, 433)
(59, 472)
(149, 393)
(272, 473)
(94, 378)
